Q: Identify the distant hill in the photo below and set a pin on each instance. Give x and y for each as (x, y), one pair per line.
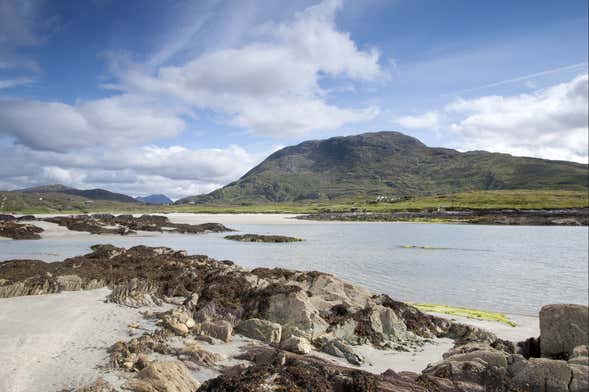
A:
(154, 199)
(390, 165)
(92, 194)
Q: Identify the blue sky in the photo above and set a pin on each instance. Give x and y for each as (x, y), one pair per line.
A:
(181, 97)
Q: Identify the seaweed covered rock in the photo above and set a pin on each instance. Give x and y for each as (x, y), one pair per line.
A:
(261, 238)
(128, 224)
(19, 231)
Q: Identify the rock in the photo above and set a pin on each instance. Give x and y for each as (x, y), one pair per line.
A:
(339, 349)
(19, 231)
(165, 376)
(263, 330)
(97, 386)
(221, 329)
(580, 378)
(541, 374)
(474, 371)
(178, 320)
(581, 351)
(490, 356)
(562, 328)
(199, 355)
(127, 224)
(295, 309)
(261, 238)
(296, 345)
(69, 282)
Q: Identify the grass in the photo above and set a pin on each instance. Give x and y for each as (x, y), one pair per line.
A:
(504, 199)
(465, 312)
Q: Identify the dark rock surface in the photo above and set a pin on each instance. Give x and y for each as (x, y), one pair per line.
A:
(19, 231)
(261, 238)
(128, 224)
(563, 217)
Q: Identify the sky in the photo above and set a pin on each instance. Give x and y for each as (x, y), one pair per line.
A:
(182, 97)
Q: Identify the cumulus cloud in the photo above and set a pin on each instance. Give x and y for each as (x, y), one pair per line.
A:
(176, 170)
(269, 86)
(429, 120)
(56, 126)
(549, 123)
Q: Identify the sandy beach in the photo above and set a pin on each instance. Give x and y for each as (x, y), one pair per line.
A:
(57, 341)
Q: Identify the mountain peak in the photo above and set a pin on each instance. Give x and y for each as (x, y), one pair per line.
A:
(391, 164)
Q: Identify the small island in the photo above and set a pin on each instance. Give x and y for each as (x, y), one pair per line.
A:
(262, 238)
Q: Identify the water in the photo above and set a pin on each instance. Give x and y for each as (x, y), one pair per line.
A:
(509, 269)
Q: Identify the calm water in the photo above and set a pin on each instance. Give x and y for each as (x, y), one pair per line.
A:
(510, 269)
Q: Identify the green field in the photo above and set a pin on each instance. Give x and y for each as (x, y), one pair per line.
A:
(504, 199)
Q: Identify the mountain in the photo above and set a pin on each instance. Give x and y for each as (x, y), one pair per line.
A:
(92, 194)
(388, 164)
(154, 199)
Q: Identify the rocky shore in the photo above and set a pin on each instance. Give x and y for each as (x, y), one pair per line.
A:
(289, 317)
(19, 231)
(103, 224)
(561, 217)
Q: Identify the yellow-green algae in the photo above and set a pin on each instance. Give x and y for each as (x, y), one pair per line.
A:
(465, 312)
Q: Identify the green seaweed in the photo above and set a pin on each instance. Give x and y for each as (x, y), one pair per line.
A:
(465, 312)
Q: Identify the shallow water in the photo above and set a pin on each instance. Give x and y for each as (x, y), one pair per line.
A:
(513, 269)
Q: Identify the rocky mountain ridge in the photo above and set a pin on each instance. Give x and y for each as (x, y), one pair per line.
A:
(390, 165)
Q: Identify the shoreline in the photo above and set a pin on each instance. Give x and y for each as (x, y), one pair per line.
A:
(99, 318)
(63, 339)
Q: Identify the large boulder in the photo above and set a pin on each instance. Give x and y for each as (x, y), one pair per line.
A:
(220, 329)
(295, 309)
(165, 376)
(562, 328)
(258, 329)
(296, 345)
(541, 374)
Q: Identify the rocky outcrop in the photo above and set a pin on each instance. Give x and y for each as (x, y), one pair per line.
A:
(19, 231)
(261, 238)
(292, 313)
(560, 217)
(128, 224)
(562, 328)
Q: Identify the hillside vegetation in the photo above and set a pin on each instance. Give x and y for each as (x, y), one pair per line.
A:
(391, 165)
(520, 199)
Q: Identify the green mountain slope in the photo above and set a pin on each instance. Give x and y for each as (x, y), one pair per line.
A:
(56, 198)
(388, 164)
(92, 194)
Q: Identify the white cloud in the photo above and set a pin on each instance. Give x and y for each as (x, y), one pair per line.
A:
(269, 86)
(176, 171)
(549, 123)
(56, 126)
(9, 83)
(429, 121)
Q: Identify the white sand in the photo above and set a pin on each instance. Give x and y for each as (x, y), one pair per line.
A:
(56, 341)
